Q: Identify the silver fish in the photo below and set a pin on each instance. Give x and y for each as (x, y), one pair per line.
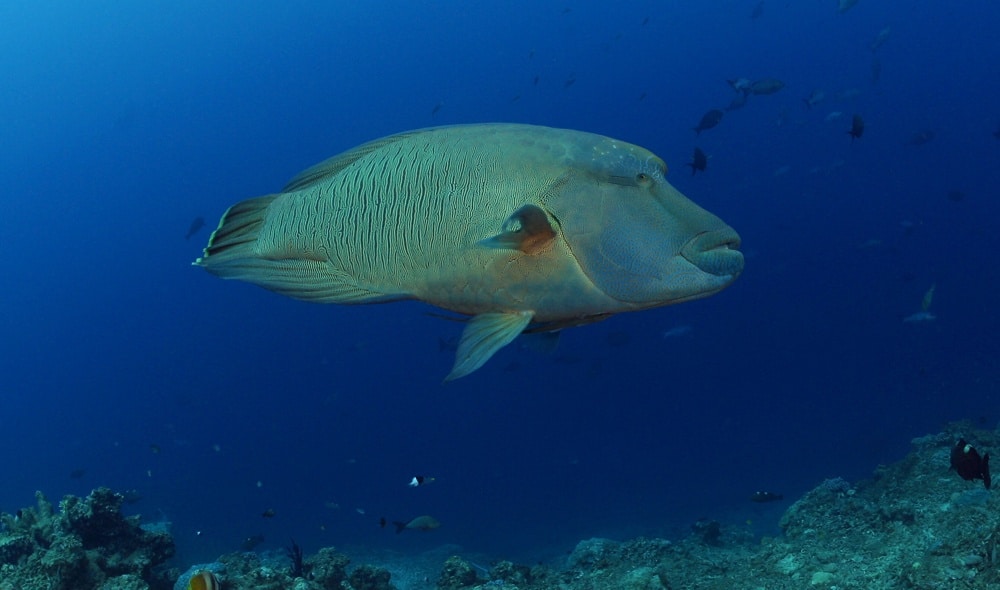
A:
(523, 228)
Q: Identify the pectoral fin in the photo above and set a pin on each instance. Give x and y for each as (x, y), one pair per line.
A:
(527, 229)
(483, 336)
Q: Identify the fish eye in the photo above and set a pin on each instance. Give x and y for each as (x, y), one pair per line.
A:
(643, 179)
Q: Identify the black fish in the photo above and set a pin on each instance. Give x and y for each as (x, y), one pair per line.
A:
(965, 460)
(250, 543)
(196, 224)
(436, 108)
(708, 120)
(857, 127)
(77, 473)
(758, 10)
(996, 134)
(698, 161)
(765, 497)
(269, 513)
(955, 195)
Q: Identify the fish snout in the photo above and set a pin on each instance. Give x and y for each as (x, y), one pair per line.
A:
(715, 252)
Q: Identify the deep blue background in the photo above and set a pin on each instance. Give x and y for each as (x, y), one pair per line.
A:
(122, 121)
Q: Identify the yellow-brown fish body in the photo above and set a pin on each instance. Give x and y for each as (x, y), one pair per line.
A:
(204, 580)
(514, 225)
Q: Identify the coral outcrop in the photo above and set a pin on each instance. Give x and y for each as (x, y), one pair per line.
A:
(86, 543)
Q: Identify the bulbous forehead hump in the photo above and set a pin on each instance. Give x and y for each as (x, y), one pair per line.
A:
(615, 158)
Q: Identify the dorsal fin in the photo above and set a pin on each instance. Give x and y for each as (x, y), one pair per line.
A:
(333, 165)
(527, 229)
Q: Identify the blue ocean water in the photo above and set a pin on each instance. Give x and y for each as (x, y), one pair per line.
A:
(123, 365)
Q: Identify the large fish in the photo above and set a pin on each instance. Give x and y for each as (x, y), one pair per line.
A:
(522, 228)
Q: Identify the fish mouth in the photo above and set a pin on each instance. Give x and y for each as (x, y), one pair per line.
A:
(715, 252)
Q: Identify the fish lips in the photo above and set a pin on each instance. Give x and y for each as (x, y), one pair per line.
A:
(715, 252)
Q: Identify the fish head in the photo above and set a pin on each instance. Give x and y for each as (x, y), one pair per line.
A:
(637, 238)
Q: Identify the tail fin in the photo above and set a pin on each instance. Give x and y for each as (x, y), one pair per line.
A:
(238, 228)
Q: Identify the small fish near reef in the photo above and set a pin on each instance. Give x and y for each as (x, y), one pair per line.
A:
(518, 227)
(763, 497)
(708, 121)
(857, 127)
(699, 161)
(269, 513)
(969, 465)
(421, 523)
(204, 580)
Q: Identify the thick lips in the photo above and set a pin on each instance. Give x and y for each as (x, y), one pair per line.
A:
(715, 252)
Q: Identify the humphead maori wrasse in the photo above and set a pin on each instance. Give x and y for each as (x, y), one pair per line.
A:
(523, 228)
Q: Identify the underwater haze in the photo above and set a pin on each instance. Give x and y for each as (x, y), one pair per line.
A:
(866, 314)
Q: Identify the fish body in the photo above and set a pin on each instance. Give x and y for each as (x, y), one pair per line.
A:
(920, 316)
(881, 38)
(762, 497)
(741, 85)
(708, 121)
(766, 86)
(196, 224)
(517, 226)
(969, 465)
(845, 5)
(421, 523)
(738, 102)
(758, 10)
(204, 580)
(815, 97)
(921, 137)
(857, 127)
(698, 161)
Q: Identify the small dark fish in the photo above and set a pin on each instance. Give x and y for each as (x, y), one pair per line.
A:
(570, 81)
(536, 81)
(421, 523)
(815, 97)
(250, 543)
(645, 21)
(996, 133)
(516, 98)
(876, 70)
(766, 86)
(77, 473)
(154, 448)
(436, 108)
(708, 120)
(857, 127)
(758, 10)
(762, 497)
(196, 224)
(382, 522)
(419, 480)
(642, 97)
(738, 103)
(698, 161)
(921, 137)
(269, 513)
(965, 460)
(955, 196)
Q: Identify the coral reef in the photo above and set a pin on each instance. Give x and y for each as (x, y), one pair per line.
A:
(913, 525)
(87, 543)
